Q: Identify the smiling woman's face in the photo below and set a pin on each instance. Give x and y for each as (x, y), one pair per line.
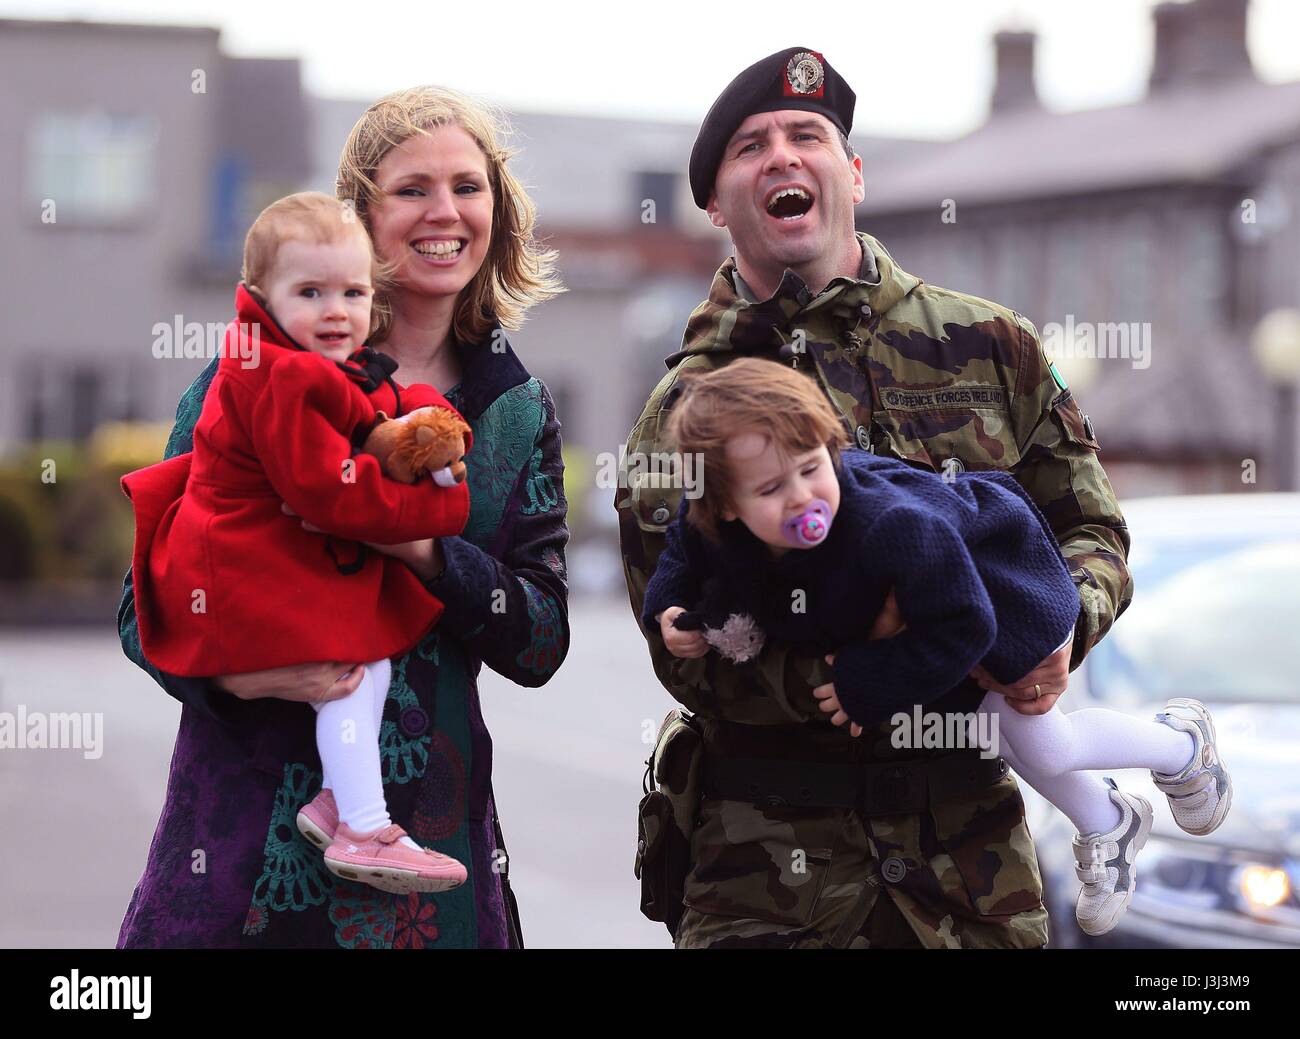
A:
(434, 215)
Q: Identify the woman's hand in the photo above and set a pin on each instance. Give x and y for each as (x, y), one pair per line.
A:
(830, 703)
(685, 644)
(424, 557)
(319, 682)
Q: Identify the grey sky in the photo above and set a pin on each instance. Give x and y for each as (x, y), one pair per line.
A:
(920, 69)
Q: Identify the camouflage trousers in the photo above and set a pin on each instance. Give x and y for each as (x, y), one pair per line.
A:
(960, 875)
(885, 927)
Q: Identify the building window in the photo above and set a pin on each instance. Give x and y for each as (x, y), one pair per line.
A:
(86, 405)
(659, 188)
(966, 255)
(1201, 282)
(1133, 296)
(1068, 278)
(1014, 246)
(96, 167)
(68, 399)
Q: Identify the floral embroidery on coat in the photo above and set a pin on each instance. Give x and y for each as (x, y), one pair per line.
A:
(294, 876)
(363, 918)
(539, 488)
(543, 654)
(416, 927)
(403, 748)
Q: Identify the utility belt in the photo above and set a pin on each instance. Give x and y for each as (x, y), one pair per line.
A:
(695, 759)
(870, 788)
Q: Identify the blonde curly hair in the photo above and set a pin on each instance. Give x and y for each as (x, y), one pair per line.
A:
(516, 272)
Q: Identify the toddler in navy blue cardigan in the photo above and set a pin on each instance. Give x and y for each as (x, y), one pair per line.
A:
(795, 541)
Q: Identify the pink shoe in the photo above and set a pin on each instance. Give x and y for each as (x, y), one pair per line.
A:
(318, 820)
(381, 860)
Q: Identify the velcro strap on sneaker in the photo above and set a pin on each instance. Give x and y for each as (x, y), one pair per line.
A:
(1090, 864)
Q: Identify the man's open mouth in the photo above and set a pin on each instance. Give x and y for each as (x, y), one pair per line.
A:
(789, 203)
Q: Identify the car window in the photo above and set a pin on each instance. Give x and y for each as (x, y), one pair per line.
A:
(1218, 624)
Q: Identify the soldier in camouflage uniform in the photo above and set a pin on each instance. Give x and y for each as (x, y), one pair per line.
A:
(931, 376)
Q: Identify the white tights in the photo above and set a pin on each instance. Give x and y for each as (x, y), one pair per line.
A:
(347, 736)
(1056, 753)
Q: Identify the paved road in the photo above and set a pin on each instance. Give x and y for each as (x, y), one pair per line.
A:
(567, 776)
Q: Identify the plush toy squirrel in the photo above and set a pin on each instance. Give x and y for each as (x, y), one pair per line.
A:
(735, 635)
(431, 440)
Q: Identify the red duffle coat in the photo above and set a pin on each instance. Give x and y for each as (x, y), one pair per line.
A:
(224, 581)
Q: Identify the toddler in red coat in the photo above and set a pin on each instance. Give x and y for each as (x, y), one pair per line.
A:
(228, 581)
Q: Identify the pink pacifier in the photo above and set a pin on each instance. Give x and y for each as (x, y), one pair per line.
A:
(810, 527)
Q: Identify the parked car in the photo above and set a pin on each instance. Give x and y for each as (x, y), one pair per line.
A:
(1215, 616)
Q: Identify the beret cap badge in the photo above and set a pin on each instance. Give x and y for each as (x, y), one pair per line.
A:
(804, 74)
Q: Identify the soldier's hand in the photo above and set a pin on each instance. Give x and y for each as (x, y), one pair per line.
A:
(1051, 677)
(685, 644)
(830, 703)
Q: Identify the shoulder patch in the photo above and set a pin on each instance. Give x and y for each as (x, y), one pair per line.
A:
(959, 396)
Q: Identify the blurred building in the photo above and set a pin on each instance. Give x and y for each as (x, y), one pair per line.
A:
(128, 196)
(134, 154)
(1169, 223)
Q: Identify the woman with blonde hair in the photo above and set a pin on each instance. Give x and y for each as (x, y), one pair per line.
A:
(425, 171)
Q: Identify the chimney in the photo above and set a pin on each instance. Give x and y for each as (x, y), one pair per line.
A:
(1200, 42)
(1013, 86)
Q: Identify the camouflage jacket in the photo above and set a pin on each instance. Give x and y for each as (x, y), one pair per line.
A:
(934, 377)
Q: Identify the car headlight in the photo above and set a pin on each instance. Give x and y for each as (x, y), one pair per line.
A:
(1183, 875)
(1261, 888)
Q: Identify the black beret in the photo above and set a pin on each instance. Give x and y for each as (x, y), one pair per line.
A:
(796, 78)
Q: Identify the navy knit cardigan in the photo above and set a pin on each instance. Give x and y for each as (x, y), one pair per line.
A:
(976, 571)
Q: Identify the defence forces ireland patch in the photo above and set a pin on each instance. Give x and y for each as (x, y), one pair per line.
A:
(969, 395)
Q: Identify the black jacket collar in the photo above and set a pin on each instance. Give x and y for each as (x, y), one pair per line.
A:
(486, 373)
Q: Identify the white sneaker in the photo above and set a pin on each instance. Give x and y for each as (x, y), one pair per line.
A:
(1107, 864)
(1201, 794)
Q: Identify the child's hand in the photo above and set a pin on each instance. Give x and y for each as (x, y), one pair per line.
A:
(685, 644)
(830, 703)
